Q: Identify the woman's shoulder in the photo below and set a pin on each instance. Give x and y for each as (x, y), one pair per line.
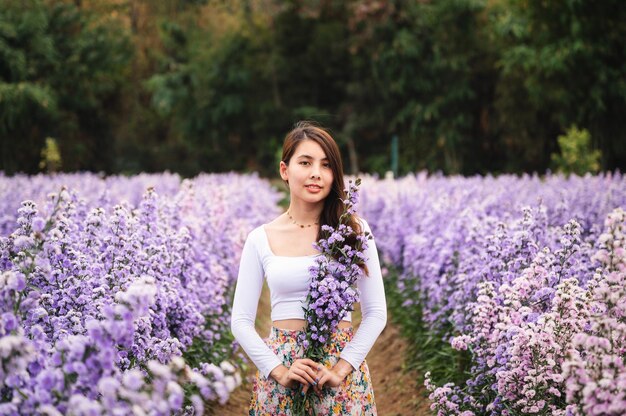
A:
(259, 233)
(255, 235)
(276, 226)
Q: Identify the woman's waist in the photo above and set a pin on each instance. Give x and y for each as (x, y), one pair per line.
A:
(300, 324)
(283, 336)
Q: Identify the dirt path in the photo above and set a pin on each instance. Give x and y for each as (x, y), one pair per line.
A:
(397, 391)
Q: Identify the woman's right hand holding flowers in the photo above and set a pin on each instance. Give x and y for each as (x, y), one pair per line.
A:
(303, 370)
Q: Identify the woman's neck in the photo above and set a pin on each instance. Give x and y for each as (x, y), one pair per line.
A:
(305, 213)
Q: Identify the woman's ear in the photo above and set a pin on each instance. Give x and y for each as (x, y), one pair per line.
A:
(283, 171)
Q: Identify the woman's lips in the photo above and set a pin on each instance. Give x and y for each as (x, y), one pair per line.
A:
(313, 188)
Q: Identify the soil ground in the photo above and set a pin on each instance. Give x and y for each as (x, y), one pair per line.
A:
(397, 390)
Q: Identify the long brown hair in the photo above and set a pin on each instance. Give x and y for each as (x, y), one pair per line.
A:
(333, 204)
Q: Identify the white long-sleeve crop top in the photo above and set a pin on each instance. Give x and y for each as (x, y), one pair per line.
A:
(288, 280)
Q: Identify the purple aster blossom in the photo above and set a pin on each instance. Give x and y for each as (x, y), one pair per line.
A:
(515, 265)
(8, 323)
(105, 280)
(15, 354)
(108, 386)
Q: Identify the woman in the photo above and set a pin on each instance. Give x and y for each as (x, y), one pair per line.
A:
(282, 252)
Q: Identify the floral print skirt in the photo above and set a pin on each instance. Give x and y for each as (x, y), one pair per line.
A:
(354, 397)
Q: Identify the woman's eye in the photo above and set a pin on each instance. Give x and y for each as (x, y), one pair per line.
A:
(326, 165)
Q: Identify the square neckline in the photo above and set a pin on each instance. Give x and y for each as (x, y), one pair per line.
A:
(269, 248)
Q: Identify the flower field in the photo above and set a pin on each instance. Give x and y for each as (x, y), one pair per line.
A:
(115, 292)
(512, 289)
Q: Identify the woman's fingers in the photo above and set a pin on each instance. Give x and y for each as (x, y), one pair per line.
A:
(299, 379)
(311, 366)
(324, 377)
(310, 362)
(317, 387)
(304, 375)
(310, 373)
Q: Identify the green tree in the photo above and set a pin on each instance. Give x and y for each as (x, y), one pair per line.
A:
(50, 156)
(60, 76)
(577, 155)
(561, 63)
(468, 86)
(418, 66)
(230, 94)
(27, 105)
(210, 93)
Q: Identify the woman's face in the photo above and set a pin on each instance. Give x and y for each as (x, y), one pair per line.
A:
(309, 173)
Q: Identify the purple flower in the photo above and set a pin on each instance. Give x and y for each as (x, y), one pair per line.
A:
(50, 379)
(518, 280)
(8, 324)
(108, 386)
(114, 277)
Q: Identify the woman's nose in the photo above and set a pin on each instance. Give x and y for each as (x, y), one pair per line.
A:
(315, 170)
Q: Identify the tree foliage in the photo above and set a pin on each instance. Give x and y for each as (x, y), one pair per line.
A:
(60, 76)
(560, 64)
(576, 155)
(468, 86)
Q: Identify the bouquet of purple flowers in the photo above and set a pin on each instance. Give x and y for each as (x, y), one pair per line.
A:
(332, 291)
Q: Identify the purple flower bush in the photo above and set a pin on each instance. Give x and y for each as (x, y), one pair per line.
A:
(96, 190)
(123, 308)
(523, 275)
(595, 367)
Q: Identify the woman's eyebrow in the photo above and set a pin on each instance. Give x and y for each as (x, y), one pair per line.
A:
(310, 157)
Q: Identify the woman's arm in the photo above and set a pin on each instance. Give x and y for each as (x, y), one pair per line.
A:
(247, 293)
(373, 308)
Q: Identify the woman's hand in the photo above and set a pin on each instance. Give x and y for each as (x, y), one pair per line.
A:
(332, 377)
(301, 371)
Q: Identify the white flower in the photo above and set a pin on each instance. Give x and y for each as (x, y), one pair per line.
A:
(230, 383)
(227, 367)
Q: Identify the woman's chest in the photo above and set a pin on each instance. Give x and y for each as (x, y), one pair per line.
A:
(288, 244)
(288, 275)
